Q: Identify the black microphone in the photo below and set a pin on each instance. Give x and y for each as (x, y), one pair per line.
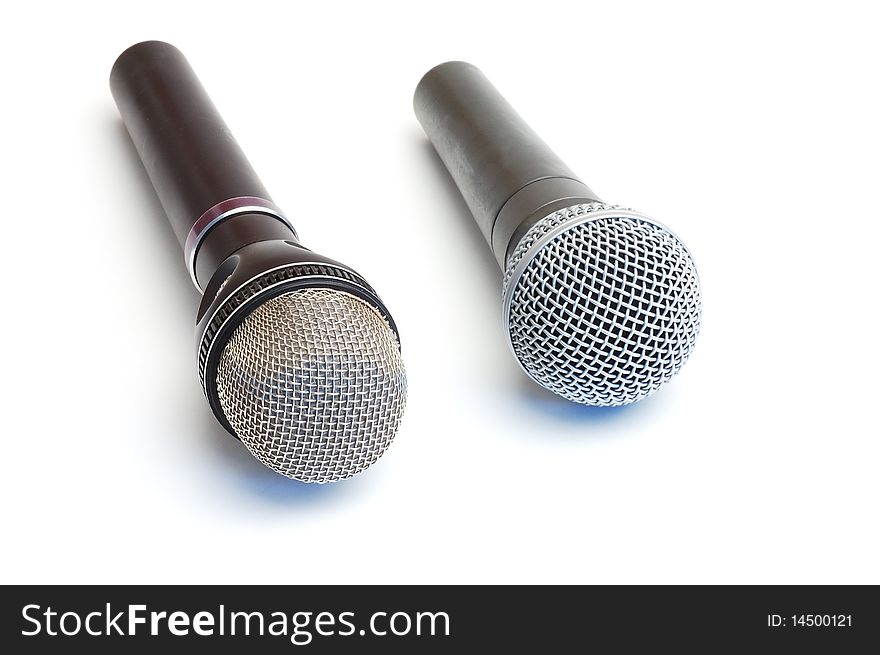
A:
(601, 303)
(297, 355)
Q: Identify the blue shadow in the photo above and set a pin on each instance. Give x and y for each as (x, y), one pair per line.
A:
(539, 400)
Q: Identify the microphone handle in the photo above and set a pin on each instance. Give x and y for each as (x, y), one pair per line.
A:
(211, 194)
(507, 175)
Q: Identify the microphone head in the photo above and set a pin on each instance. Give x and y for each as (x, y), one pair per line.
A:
(301, 362)
(313, 384)
(601, 304)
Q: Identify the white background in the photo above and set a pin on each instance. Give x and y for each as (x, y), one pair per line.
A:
(751, 131)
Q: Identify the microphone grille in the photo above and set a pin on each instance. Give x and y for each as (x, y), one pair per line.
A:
(313, 383)
(602, 304)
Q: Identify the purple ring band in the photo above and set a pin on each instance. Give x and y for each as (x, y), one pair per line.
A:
(220, 212)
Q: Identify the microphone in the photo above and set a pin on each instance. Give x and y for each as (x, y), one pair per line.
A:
(601, 304)
(297, 355)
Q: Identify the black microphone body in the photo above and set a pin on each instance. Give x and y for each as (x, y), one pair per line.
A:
(190, 155)
(507, 175)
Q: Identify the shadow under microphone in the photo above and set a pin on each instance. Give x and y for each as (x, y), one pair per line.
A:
(601, 304)
(297, 355)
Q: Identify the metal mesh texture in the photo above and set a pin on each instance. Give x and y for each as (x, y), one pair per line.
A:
(604, 311)
(313, 384)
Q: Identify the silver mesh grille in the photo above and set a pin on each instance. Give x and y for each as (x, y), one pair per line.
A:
(602, 304)
(313, 384)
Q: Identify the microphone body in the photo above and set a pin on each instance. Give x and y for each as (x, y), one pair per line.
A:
(601, 303)
(297, 355)
(505, 172)
(192, 159)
